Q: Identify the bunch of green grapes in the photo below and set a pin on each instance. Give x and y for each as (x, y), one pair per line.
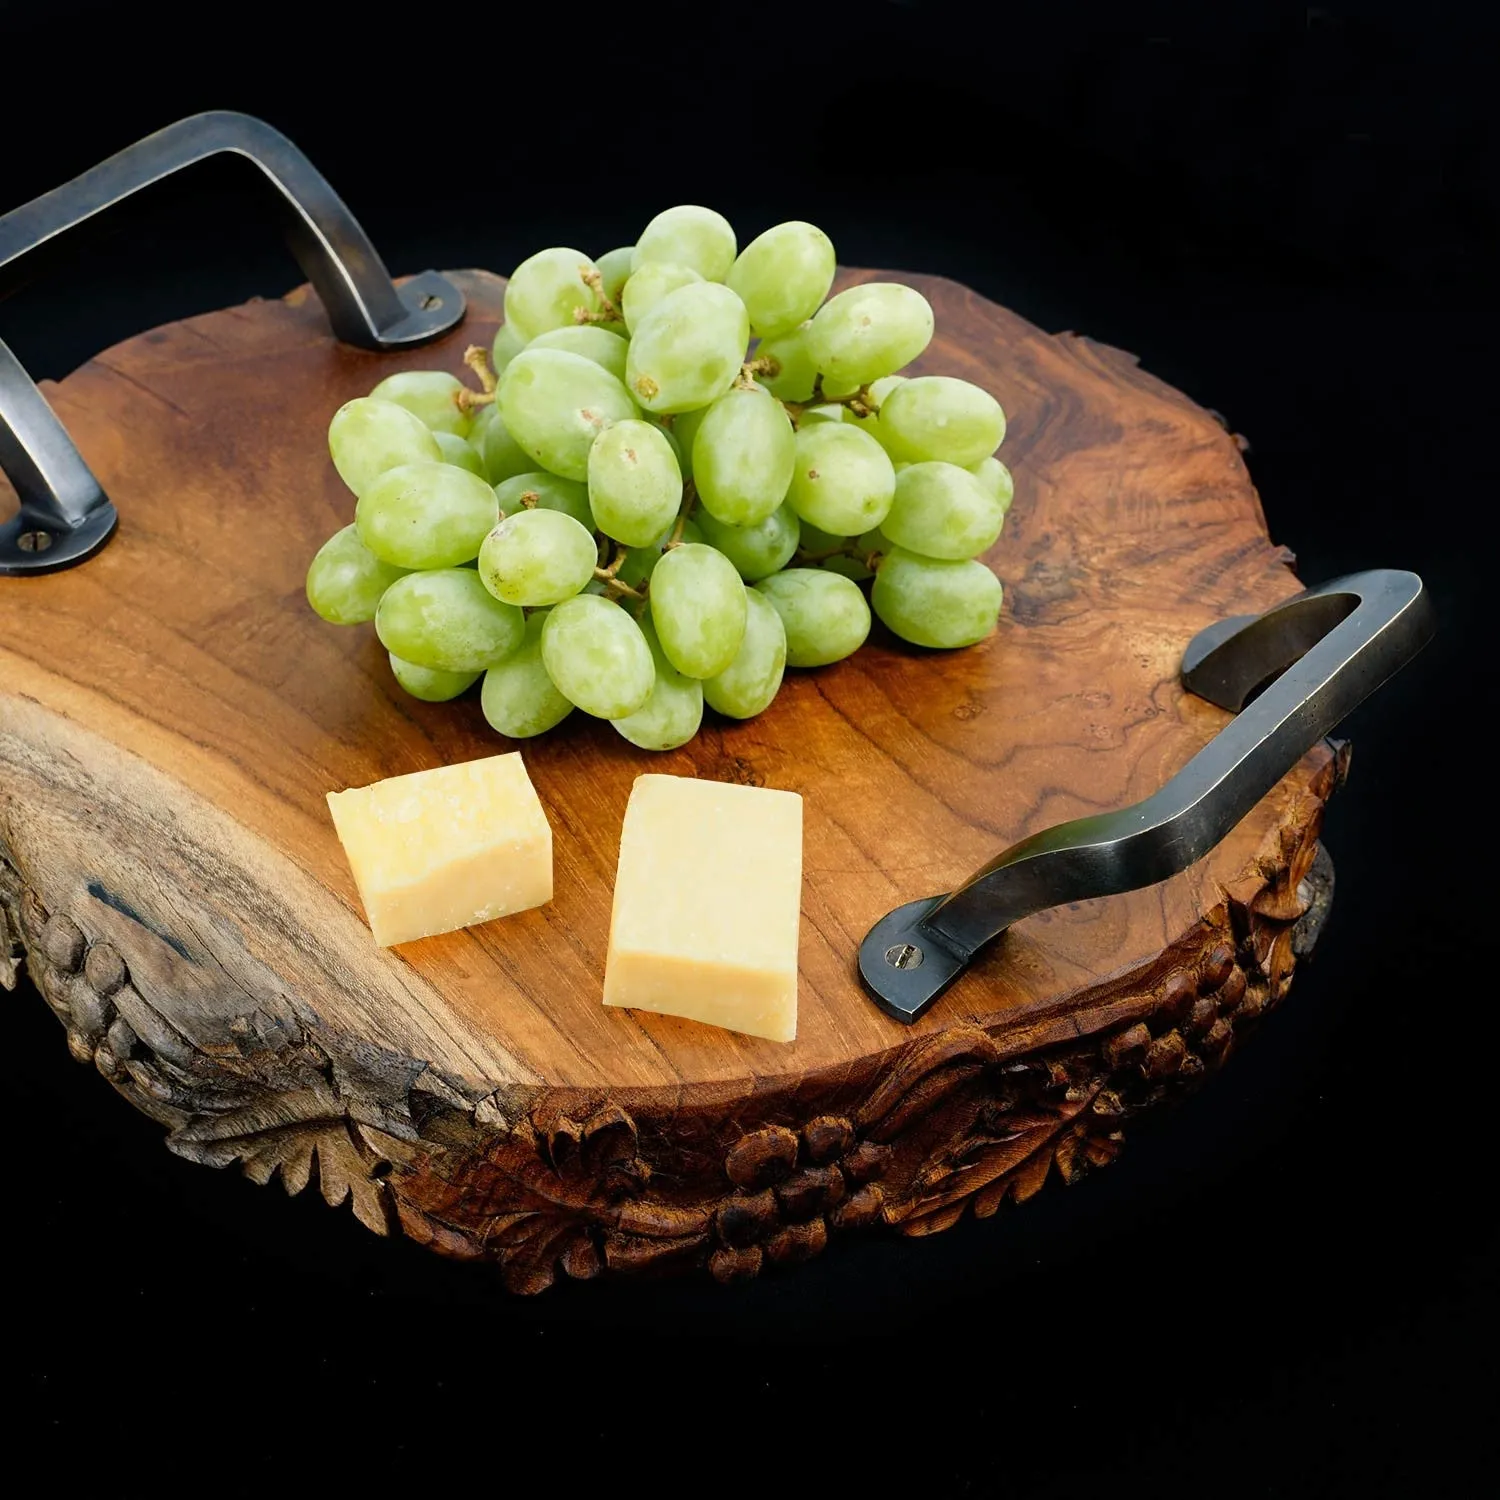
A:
(682, 470)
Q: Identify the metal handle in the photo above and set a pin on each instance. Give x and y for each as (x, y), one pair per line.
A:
(65, 515)
(1305, 664)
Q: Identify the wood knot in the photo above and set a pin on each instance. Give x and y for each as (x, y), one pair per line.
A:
(63, 943)
(105, 970)
(761, 1158)
(827, 1137)
(809, 1192)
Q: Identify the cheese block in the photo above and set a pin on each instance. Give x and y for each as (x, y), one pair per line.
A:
(708, 898)
(446, 848)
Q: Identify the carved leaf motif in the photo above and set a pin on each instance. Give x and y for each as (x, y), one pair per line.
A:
(923, 1075)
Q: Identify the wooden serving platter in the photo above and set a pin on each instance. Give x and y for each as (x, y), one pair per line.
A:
(172, 714)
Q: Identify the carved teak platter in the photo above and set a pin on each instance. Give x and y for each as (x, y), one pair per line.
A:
(172, 713)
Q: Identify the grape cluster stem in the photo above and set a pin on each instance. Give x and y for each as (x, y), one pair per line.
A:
(593, 279)
(478, 360)
(860, 402)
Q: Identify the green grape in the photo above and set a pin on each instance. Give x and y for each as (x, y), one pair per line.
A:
(606, 349)
(649, 285)
(825, 615)
(685, 429)
(518, 697)
(855, 564)
(798, 374)
(460, 452)
(640, 562)
(367, 437)
(846, 567)
(614, 267)
(345, 579)
(782, 276)
(660, 424)
(748, 684)
(537, 557)
(937, 417)
(815, 540)
(508, 343)
(743, 452)
(756, 551)
(933, 603)
(431, 684)
(688, 236)
(544, 290)
(881, 389)
(943, 511)
(811, 415)
(428, 396)
(842, 481)
(555, 404)
(869, 331)
(597, 656)
(698, 607)
(447, 619)
(428, 515)
(674, 710)
(548, 492)
(688, 349)
(635, 486)
(503, 456)
(482, 419)
(995, 477)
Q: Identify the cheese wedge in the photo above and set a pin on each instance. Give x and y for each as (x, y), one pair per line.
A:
(446, 848)
(708, 898)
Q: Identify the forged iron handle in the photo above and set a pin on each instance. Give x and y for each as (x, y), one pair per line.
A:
(1290, 675)
(65, 515)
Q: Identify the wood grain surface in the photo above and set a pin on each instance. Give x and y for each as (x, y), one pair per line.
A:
(172, 714)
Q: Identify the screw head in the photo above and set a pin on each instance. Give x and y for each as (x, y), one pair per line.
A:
(904, 956)
(34, 541)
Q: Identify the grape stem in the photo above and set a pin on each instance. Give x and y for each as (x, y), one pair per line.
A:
(614, 587)
(529, 499)
(860, 402)
(592, 278)
(478, 360)
(689, 500)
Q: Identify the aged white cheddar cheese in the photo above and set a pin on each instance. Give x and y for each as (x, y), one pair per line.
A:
(708, 898)
(442, 849)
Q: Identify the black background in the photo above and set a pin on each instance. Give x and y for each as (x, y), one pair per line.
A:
(1285, 1287)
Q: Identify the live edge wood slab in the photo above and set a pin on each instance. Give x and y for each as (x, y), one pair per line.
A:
(172, 713)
